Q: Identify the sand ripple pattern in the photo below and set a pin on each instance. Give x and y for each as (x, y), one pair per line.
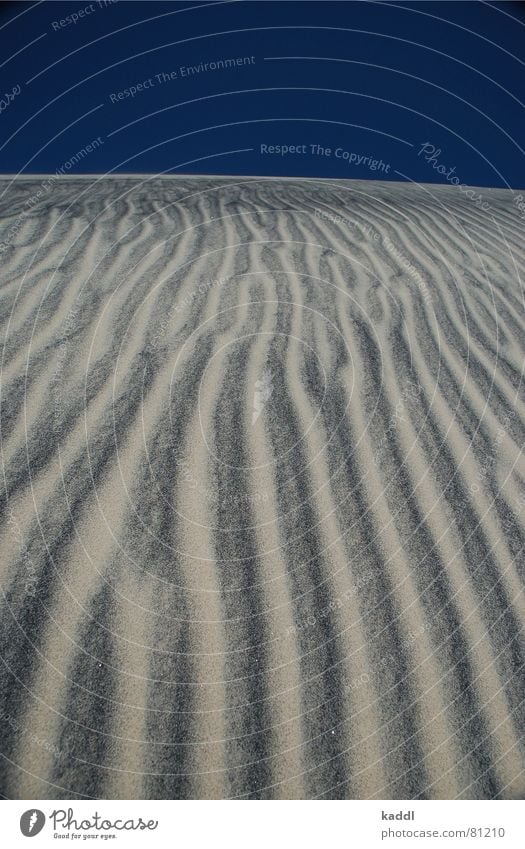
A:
(263, 504)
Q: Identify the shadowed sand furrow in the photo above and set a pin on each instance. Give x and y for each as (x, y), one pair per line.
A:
(262, 512)
(84, 746)
(249, 744)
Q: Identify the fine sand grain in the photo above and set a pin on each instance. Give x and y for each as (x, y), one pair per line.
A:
(263, 504)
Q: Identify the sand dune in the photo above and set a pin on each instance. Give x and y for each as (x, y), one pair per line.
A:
(262, 490)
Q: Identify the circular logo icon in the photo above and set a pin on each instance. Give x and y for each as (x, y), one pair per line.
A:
(32, 822)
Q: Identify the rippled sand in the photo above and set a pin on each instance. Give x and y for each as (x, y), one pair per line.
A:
(263, 497)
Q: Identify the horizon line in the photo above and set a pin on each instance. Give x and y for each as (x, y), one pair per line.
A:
(158, 175)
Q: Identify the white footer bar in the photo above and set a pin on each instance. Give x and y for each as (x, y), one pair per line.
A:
(264, 825)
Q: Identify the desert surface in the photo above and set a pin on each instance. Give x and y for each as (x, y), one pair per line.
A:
(262, 501)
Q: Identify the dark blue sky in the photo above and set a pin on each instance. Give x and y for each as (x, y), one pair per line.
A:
(368, 82)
